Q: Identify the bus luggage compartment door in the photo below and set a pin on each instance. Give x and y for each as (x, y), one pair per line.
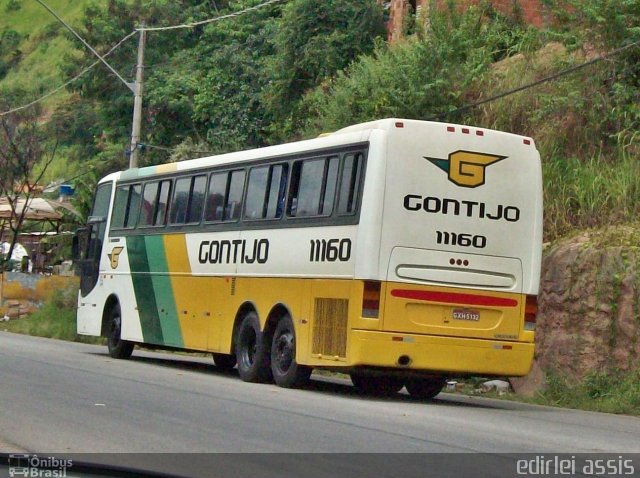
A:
(453, 294)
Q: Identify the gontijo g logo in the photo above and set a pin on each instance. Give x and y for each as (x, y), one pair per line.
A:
(466, 168)
(114, 256)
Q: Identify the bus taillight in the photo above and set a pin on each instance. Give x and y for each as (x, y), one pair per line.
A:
(371, 299)
(530, 312)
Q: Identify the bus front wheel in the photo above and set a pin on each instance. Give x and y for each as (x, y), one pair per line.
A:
(252, 353)
(118, 348)
(286, 371)
(425, 388)
(377, 385)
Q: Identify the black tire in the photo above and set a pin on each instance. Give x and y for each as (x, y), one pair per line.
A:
(118, 348)
(286, 371)
(425, 388)
(252, 353)
(224, 361)
(380, 386)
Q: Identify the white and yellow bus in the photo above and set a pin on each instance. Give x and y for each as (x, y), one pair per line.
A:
(398, 251)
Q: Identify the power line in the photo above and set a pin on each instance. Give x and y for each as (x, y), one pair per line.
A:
(68, 27)
(211, 20)
(186, 25)
(555, 76)
(492, 98)
(64, 85)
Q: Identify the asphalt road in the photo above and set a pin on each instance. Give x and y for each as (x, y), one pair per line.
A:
(67, 398)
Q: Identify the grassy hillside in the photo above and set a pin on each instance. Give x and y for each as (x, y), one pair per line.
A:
(33, 43)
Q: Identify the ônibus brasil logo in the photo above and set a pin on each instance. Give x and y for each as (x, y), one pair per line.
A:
(466, 168)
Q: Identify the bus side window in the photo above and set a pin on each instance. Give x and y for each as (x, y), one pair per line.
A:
(163, 201)
(313, 186)
(196, 199)
(224, 198)
(235, 192)
(215, 197)
(256, 189)
(350, 183)
(125, 206)
(180, 201)
(154, 203)
(135, 198)
(265, 192)
(148, 204)
(120, 206)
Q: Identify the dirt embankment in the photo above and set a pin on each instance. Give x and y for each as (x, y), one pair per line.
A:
(589, 307)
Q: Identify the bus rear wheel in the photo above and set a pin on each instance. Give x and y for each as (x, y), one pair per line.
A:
(286, 371)
(252, 353)
(382, 385)
(425, 388)
(118, 348)
(224, 361)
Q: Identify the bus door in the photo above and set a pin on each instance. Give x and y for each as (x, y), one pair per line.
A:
(88, 242)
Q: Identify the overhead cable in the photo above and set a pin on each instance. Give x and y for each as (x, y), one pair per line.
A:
(211, 20)
(64, 85)
(555, 76)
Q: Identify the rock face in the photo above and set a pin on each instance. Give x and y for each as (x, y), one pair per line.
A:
(589, 307)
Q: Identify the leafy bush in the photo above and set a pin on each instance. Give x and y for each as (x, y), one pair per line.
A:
(9, 41)
(312, 41)
(423, 77)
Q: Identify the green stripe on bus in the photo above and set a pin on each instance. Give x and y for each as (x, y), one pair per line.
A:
(129, 174)
(143, 289)
(162, 288)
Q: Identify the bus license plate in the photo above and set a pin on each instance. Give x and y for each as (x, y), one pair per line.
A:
(466, 314)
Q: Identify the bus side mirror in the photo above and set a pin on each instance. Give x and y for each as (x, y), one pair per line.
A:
(91, 220)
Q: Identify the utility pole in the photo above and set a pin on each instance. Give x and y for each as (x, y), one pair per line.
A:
(137, 102)
(136, 88)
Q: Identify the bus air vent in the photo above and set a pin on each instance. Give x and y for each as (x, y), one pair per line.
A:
(330, 327)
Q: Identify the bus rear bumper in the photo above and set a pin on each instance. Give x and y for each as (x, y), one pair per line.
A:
(449, 355)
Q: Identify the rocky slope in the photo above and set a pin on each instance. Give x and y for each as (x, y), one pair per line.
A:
(589, 307)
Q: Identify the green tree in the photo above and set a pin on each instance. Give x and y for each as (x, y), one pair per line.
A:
(313, 41)
(215, 87)
(603, 26)
(423, 77)
(24, 158)
(111, 99)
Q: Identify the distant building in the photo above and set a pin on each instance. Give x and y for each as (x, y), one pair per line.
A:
(533, 12)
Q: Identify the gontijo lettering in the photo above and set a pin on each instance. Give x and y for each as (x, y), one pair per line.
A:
(238, 251)
(455, 207)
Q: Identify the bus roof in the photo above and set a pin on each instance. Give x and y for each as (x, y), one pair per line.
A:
(351, 134)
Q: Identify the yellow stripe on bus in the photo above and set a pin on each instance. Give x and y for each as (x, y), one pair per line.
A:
(192, 295)
(166, 168)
